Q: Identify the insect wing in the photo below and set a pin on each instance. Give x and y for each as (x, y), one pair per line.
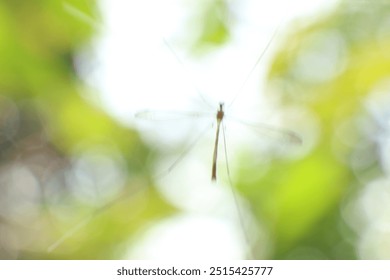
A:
(285, 135)
(169, 115)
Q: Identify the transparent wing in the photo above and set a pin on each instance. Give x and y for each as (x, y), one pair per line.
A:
(285, 134)
(169, 115)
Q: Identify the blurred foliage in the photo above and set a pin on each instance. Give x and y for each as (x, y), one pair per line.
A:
(327, 68)
(56, 145)
(210, 22)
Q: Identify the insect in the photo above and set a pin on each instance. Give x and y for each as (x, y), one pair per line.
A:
(220, 116)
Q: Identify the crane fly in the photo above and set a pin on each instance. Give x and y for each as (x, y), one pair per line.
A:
(220, 116)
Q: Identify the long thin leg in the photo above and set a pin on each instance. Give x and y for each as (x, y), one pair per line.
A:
(183, 154)
(88, 219)
(198, 91)
(235, 197)
(116, 200)
(254, 66)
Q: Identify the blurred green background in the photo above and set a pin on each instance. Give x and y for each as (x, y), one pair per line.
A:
(329, 201)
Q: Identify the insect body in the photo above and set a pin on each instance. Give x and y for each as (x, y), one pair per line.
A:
(220, 115)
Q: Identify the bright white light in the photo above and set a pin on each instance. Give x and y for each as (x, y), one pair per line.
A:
(137, 71)
(189, 237)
